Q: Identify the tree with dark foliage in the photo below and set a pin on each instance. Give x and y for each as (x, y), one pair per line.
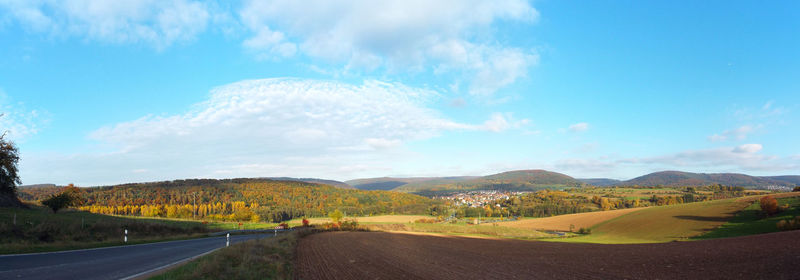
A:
(71, 196)
(9, 179)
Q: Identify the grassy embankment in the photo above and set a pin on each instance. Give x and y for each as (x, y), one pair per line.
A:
(751, 220)
(39, 230)
(266, 258)
(463, 229)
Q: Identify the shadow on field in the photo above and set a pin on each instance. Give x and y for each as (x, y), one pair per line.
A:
(702, 218)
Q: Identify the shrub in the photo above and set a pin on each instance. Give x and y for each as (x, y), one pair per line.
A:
(426, 221)
(69, 197)
(790, 224)
(306, 223)
(769, 205)
(585, 231)
(336, 216)
(796, 189)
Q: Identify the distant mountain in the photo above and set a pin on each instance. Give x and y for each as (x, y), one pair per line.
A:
(794, 179)
(600, 182)
(678, 178)
(389, 183)
(511, 180)
(334, 183)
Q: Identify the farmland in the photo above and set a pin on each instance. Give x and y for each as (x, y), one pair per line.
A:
(664, 223)
(568, 222)
(380, 255)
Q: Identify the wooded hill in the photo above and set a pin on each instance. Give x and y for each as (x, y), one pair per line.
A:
(520, 180)
(678, 178)
(242, 199)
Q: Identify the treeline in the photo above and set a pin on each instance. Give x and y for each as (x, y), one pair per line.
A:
(247, 200)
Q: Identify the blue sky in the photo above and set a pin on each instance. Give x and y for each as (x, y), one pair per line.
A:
(101, 92)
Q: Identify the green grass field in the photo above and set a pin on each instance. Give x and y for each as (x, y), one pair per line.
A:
(39, 230)
(663, 223)
(751, 221)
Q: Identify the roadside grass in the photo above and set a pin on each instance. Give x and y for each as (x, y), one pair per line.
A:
(751, 221)
(663, 223)
(486, 230)
(39, 230)
(265, 258)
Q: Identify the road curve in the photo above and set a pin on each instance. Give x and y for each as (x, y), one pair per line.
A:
(111, 262)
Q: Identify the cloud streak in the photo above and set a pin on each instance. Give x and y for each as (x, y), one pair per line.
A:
(270, 127)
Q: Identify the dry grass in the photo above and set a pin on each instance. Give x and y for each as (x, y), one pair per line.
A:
(485, 230)
(563, 222)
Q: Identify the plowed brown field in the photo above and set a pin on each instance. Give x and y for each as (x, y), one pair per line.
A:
(382, 255)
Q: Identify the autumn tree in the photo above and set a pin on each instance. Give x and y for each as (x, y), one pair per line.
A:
(769, 204)
(796, 189)
(336, 216)
(9, 179)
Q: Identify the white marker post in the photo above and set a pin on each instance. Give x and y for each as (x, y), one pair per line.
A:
(228, 242)
(126, 235)
(276, 232)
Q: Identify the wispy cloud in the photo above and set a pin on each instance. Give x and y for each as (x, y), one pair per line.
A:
(17, 121)
(441, 36)
(158, 23)
(579, 127)
(269, 128)
(739, 133)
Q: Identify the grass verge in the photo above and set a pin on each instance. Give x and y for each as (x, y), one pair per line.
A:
(39, 230)
(488, 230)
(266, 258)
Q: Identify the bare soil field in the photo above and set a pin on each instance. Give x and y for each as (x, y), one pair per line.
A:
(382, 255)
(562, 222)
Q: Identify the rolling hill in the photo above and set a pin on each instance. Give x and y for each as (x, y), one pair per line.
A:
(600, 182)
(678, 178)
(511, 180)
(341, 185)
(389, 183)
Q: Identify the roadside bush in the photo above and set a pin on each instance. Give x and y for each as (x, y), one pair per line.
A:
(306, 223)
(769, 205)
(426, 221)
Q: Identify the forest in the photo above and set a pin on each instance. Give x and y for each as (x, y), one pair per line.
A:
(242, 200)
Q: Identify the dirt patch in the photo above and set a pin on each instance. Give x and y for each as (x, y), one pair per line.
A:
(563, 222)
(381, 255)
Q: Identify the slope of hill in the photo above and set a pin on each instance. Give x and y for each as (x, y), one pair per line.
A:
(511, 180)
(600, 182)
(794, 179)
(389, 183)
(334, 183)
(678, 178)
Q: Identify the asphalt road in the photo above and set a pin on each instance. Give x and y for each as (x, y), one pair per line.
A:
(111, 262)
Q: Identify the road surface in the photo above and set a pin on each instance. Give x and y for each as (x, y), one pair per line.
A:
(112, 262)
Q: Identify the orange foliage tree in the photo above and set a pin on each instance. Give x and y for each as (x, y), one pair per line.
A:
(769, 205)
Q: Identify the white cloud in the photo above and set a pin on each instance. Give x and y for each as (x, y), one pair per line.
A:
(18, 122)
(444, 36)
(739, 133)
(272, 127)
(155, 22)
(742, 158)
(579, 127)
